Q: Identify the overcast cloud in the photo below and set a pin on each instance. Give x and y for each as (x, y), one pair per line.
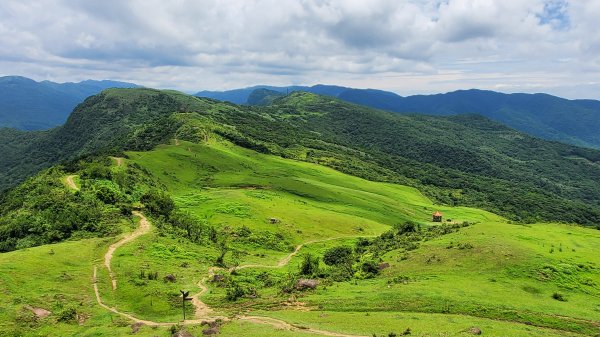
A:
(404, 46)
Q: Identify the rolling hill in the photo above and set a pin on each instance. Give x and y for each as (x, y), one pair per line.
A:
(264, 215)
(29, 105)
(549, 117)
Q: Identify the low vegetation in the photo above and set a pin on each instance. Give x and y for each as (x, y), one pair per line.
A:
(284, 244)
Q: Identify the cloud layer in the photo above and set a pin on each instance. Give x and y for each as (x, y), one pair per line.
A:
(404, 46)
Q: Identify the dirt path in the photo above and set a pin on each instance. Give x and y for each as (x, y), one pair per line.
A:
(118, 160)
(143, 228)
(70, 181)
(202, 311)
(286, 260)
(279, 324)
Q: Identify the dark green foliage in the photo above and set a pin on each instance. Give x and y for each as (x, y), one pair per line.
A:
(369, 268)
(337, 256)
(158, 203)
(310, 265)
(159, 131)
(67, 315)
(407, 227)
(43, 210)
(559, 297)
(234, 291)
(263, 96)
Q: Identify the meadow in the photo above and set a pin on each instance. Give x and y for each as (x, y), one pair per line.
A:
(503, 278)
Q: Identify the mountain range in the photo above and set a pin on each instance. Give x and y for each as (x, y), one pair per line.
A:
(549, 117)
(29, 105)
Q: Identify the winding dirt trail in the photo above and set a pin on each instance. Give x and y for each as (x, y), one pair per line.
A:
(70, 181)
(143, 228)
(202, 311)
(286, 260)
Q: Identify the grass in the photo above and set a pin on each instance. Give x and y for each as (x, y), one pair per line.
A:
(497, 276)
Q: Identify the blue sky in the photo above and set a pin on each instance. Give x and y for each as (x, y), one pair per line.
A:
(408, 47)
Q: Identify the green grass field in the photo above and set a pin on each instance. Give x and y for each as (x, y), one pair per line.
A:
(494, 275)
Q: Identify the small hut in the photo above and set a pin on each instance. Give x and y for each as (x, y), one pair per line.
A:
(437, 216)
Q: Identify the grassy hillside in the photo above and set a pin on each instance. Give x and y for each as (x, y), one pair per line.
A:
(501, 278)
(462, 160)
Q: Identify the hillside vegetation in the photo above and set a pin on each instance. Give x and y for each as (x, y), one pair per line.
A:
(461, 160)
(541, 115)
(474, 271)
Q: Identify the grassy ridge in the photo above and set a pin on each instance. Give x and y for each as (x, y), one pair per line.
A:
(489, 271)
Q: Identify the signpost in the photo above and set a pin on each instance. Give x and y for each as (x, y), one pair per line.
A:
(184, 297)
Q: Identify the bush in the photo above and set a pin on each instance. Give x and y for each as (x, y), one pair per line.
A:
(158, 203)
(310, 265)
(67, 315)
(368, 269)
(559, 297)
(337, 256)
(407, 227)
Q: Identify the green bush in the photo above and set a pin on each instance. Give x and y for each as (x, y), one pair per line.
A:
(310, 265)
(337, 256)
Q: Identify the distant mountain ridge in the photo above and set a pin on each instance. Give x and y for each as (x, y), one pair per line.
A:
(29, 105)
(546, 116)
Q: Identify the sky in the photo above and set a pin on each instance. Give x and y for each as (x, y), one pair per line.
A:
(408, 47)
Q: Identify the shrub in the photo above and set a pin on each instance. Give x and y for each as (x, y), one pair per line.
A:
(309, 265)
(67, 315)
(407, 227)
(559, 297)
(158, 203)
(234, 291)
(337, 256)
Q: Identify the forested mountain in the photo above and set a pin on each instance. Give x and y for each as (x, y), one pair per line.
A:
(545, 116)
(29, 105)
(457, 160)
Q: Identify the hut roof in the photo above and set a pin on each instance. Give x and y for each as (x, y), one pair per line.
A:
(437, 213)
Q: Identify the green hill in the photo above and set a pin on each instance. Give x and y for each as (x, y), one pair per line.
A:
(474, 271)
(460, 160)
(541, 115)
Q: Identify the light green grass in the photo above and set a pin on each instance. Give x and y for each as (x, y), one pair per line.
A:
(493, 275)
(420, 324)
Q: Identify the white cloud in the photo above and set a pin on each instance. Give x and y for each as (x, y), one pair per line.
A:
(404, 46)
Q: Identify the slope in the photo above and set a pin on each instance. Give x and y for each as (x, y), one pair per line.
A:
(545, 116)
(549, 117)
(237, 191)
(457, 160)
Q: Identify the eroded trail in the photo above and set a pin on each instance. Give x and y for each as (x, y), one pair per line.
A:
(286, 260)
(118, 160)
(70, 180)
(143, 228)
